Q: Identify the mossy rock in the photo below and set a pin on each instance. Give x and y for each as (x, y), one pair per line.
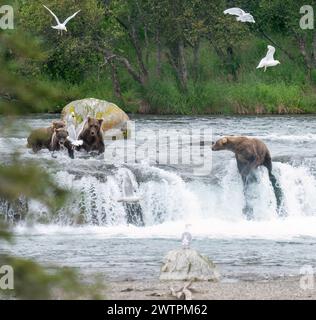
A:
(113, 116)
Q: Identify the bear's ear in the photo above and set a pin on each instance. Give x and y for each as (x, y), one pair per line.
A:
(100, 121)
(54, 124)
(88, 118)
(58, 124)
(224, 140)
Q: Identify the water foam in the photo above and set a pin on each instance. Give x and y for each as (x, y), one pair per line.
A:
(213, 208)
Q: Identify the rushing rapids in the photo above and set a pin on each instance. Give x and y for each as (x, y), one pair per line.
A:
(114, 201)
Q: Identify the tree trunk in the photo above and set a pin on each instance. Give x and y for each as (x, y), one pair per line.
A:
(182, 66)
(147, 46)
(304, 51)
(158, 66)
(131, 31)
(314, 50)
(196, 50)
(217, 49)
(139, 55)
(131, 70)
(227, 59)
(230, 62)
(177, 60)
(289, 55)
(108, 60)
(115, 80)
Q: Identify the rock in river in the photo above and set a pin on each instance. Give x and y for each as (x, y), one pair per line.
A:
(114, 118)
(188, 264)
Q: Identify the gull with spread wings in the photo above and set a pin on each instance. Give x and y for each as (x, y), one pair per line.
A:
(242, 16)
(268, 60)
(61, 26)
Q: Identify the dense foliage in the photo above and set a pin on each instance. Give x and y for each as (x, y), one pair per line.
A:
(175, 56)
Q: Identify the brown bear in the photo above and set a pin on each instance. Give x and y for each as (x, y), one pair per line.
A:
(250, 153)
(60, 141)
(53, 138)
(91, 136)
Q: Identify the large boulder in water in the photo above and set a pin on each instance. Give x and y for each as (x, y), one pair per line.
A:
(113, 116)
(188, 264)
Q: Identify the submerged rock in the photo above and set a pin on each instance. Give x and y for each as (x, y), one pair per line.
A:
(188, 264)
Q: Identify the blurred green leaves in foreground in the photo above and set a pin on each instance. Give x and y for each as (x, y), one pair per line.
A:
(24, 179)
(18, 95)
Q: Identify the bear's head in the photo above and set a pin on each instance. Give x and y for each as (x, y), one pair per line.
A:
(220, 144)
(57, 124)
(93, 126)
(60, 137)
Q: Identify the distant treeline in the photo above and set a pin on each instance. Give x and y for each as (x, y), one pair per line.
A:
(174, 56)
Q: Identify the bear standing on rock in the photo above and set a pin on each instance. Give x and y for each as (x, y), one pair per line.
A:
(91, 136)
(250, 153)
(53, 138)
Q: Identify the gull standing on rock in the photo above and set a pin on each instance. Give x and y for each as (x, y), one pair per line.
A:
(61, 26)
(268, 60)
(186, 237)
(242, 16)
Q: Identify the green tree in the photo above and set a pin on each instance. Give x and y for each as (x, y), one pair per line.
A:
(283, 17)
(75, 54)
(25, 179)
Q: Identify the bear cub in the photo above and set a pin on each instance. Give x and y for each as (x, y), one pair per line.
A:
(53, 138)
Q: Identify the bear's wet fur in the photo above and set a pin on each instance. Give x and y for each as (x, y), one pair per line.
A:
(53, 138)
(60, 141)
(91, 136)
(250, 153)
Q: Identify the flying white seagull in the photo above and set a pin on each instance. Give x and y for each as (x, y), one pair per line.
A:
(242, 16)
(61, 26)
(268, 60)
(71, 128)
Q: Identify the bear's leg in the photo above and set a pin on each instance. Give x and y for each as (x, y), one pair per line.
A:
(84, 146)
(247, 186)
(244, 170)
(278, 194)
(276, 187)
(70, 149)
(36, 147)
(101, 147)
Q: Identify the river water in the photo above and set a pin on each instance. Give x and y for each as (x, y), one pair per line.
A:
(92, 232)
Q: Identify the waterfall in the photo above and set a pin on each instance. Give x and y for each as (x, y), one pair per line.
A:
(164, 196)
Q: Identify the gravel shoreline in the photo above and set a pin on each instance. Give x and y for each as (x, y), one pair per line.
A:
(284, 289)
